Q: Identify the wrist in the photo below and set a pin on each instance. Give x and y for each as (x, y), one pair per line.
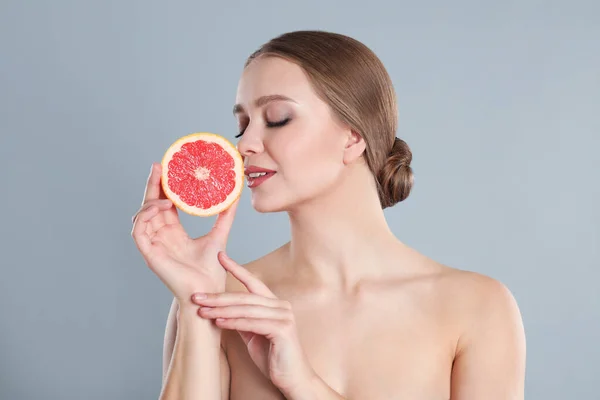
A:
(188, 318)
(304, 389)
(313, 388)
(185, 298)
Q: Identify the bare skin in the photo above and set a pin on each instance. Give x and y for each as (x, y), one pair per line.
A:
(402, 336)
(375, 318)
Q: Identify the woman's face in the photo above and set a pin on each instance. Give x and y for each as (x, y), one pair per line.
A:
(287, 129)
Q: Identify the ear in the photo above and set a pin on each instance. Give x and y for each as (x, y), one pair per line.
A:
(354, 147)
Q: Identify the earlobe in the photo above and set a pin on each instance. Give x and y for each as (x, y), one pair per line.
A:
(355, 146)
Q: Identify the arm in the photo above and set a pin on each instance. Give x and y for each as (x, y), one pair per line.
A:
(490, 359)
(318, 390)
(194, 364)
(169, 340)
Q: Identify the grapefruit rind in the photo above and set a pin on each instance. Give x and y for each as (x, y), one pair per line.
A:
(238, 167)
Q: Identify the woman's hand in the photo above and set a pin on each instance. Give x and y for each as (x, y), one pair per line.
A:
(266, 325)
(182, 263)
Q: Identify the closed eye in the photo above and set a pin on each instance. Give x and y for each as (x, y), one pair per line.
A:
(278, 123)
(269, 125)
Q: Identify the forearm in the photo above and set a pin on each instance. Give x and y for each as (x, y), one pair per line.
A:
(194, 372)
(317, 389)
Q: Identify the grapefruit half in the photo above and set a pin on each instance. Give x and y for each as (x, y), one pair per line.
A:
(202, 174)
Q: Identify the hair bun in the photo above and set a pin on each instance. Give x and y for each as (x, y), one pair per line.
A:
(396, 178)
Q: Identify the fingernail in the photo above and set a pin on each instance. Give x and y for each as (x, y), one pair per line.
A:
(199, 296)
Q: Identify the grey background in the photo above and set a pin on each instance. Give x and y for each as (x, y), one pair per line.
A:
(499, 102)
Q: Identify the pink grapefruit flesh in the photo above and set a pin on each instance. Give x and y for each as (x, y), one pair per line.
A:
(202, 174)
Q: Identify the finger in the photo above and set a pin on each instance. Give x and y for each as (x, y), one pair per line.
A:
(161, 219)
(153, 188)
(269, 328)
(139, 230)
(166, 216)
(251, 282)
(244, 311)
(237, 298)
(222, 227)
(162, 204)
(170, 216)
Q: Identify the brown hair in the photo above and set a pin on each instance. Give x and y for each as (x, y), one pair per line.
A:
(353, 81)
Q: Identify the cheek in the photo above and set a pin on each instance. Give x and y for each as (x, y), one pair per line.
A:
(309, 160)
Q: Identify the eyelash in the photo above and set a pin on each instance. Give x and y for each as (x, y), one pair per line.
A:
(269, 125)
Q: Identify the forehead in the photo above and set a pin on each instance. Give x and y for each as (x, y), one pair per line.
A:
(273, 76)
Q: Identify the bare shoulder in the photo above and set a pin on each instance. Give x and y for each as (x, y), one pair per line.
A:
(479, 295)
(475, 303)
(489, 359)
(472, 299)
(466, 291)
(476, 288)
(490, 345)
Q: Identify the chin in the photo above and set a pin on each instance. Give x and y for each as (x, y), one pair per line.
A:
(266, 204)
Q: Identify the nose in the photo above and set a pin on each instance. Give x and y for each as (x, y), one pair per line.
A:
(250, 143)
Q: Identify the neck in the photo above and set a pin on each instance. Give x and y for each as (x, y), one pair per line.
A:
(340, 238)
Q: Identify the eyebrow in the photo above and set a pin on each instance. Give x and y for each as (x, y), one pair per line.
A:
(261, 101)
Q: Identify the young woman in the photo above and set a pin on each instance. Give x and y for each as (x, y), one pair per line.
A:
(344, 310)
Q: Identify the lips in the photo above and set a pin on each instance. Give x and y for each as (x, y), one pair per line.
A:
(252, 169)
(257, 175)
